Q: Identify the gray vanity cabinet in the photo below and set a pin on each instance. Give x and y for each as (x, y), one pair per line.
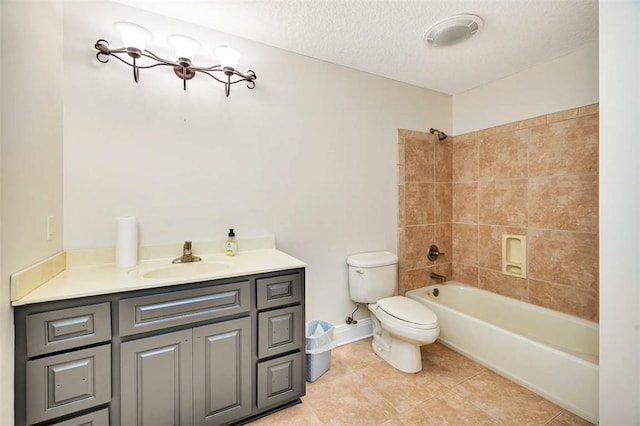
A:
(280, 371)
(208, 353)
(222, 372)
(156, 380)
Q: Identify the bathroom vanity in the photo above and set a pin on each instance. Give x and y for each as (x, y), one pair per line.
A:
(209, 351)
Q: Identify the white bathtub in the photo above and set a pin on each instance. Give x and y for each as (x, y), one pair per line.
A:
(553, 354)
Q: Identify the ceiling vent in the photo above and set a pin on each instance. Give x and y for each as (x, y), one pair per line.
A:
(452, 30)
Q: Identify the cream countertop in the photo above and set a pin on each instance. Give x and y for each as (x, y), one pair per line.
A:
(83, 281)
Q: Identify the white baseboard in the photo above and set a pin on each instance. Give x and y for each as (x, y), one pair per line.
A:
(346, 333)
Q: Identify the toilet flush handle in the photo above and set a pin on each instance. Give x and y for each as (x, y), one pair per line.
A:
(360, 271)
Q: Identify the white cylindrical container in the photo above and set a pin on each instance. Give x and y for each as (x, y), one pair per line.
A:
(126, 241)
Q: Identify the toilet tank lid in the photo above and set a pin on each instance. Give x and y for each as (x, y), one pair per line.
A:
(372, 259)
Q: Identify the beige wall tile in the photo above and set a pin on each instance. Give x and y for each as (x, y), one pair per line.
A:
(465, 137)
(444, 241)
(564, 257)
(465, 244)
(535, 177)
(532, 122)
(465, 203)
(415, 278)
(496, 282)
(444, 160)
(562, 115)
(417, 240)
(490, 131)
(490, 244)
(419, 203)
(401, 207)
(445, 269)
(563, 148)
(466, 274)
(465, 160)
(401, 153)
(571, 300)
(564, 202)
(418, 278)
(503, 155)
(509, 127)
(419, 160)
(503, 202)
(444, 202)
(589, 109)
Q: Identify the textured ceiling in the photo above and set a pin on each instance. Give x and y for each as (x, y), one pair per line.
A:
(385, 37)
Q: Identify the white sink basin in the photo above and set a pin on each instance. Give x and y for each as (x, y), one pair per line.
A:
(185, 270)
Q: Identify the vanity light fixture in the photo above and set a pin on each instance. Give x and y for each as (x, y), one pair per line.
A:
(135, 39)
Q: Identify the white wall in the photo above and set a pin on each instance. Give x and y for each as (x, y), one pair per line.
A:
(566, 82)
(619, 213)
(31, 157)
(309, 155)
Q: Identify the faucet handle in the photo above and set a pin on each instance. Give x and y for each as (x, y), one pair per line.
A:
(434, 252)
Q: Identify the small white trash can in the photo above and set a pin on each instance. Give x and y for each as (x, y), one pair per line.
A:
(319, 342)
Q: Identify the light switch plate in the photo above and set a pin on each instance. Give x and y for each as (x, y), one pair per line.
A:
(50, 228)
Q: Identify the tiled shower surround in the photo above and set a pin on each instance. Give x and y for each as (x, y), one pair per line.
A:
(536, 177)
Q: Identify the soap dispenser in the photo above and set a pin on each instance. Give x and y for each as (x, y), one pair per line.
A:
(231, 246)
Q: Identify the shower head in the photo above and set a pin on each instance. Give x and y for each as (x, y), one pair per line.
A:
(441, 135)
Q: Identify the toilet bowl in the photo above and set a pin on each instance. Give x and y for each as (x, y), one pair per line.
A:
(399, 329)
(400, 325)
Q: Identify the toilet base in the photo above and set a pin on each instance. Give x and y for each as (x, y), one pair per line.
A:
(401, 355)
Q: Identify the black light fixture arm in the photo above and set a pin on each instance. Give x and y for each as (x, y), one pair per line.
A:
(182, 67)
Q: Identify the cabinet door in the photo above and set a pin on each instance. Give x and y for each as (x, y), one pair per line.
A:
(222, 371)
(156, 379)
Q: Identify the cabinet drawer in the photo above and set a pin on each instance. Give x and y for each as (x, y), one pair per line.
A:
(63, 384)
(279, 291)
(147, 313)
(68, 328)
(279, 380)
(280, 331)
(97, 418)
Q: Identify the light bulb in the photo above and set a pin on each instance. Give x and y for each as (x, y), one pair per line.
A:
(185, 47)
(133, 35)
(228, 56)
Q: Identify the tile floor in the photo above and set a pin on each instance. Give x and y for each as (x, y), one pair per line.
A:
(362, 389)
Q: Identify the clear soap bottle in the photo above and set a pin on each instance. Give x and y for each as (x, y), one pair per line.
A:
(231, 246)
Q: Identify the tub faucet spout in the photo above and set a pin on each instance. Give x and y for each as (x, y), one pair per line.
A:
(187, 255)
(439, 278)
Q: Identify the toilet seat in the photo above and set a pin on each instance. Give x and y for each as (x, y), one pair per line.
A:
(407, 313)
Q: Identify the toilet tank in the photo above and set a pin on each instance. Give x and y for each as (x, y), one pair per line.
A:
(372, 276)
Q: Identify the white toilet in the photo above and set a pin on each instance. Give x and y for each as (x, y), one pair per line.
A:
(400, 325)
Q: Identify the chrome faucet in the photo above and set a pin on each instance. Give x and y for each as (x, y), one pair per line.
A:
(439, 278)
(187, 255)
